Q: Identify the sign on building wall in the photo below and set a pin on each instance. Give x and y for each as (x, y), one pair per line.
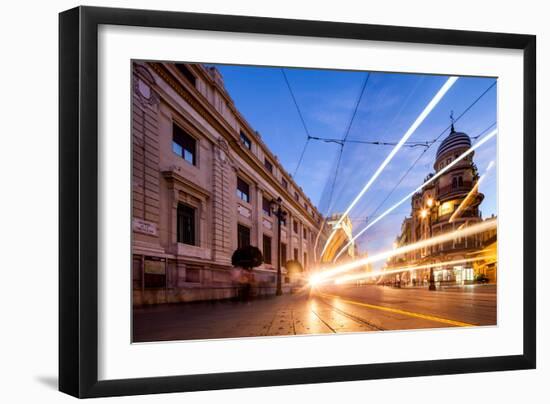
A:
(243, 211)
(145, 227)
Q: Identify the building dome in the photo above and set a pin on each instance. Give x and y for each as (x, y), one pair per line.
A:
(456, 140)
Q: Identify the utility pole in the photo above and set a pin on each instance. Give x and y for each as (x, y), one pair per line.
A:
(432, 278)
(276, 206)
(426, 213)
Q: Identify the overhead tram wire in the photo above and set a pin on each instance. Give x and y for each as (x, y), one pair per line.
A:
(370, 142)
(414, 164)
(343, 141)
(417, 122)
(431, 142)
(411, 144)
(395, 187)
(429, 180)
(301, 119)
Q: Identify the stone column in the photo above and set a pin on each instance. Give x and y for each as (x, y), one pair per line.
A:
(223, 203)
(301, 243)
(289, 244)
(145, 157)
(258, 215)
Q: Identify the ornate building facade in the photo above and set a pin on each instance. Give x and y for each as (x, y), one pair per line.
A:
(202, 185)
(449, 203)
(343, 233)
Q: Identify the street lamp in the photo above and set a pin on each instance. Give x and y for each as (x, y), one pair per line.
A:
(276, 208)
(427, 213)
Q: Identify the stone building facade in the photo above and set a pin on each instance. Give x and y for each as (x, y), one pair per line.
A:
(202, 183)
(449, 203)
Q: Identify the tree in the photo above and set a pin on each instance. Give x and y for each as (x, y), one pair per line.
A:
(247, 257)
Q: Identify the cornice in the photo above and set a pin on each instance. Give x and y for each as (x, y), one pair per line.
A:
(174, 177)
(216, 120)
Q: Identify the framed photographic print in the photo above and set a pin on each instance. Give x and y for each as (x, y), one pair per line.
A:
(251, 201)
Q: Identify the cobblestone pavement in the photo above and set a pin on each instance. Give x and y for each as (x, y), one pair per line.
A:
(328, 310)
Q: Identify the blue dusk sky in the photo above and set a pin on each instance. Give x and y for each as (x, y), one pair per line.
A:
(389, 104)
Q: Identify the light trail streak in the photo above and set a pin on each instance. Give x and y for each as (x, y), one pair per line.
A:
(408, 196)
(442, 238)
(466, 201)
(356, 277)
(397, 311)
(431, 105)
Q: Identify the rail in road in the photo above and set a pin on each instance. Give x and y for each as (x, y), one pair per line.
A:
(326, 311)
(399, 311)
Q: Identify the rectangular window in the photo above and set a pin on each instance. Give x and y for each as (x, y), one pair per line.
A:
(296, 196)
(305, 233)
(246, 141)
(243, 190)
(186, 224)
(243, 236)
(184, 145)
(266, 206)
(184, 70)
(284, 183)
(267, 249)
(295, 254)
(268, 165)
(295, 226)
(305, 261)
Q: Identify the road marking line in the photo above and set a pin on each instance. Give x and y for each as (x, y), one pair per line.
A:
(398, 311)
(351, 316)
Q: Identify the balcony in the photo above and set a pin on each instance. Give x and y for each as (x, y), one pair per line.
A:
(444, 192)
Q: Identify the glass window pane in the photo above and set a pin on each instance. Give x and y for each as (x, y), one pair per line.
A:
(176, 148)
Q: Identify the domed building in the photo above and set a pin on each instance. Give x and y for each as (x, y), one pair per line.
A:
(449, 203)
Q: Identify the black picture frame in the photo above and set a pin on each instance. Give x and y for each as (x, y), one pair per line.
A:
(78, 201)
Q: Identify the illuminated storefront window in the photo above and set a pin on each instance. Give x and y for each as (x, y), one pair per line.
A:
(446, 208)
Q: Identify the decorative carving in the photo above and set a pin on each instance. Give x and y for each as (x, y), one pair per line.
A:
(144, 73)
(222, 153)
(143, 82)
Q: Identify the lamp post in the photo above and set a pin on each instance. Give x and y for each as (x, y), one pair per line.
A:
(427, 212)
(276, 208)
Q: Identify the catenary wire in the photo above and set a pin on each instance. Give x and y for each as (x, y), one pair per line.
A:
(343, 140)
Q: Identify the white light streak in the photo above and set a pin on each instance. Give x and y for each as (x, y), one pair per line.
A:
(406, 198)
(356, 277)
(435, 100)
(442, 238)
(466, 201)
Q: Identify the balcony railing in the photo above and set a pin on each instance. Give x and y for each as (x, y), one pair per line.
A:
(448, 190)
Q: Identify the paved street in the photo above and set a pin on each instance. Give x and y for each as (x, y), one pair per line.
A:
(327, 310)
